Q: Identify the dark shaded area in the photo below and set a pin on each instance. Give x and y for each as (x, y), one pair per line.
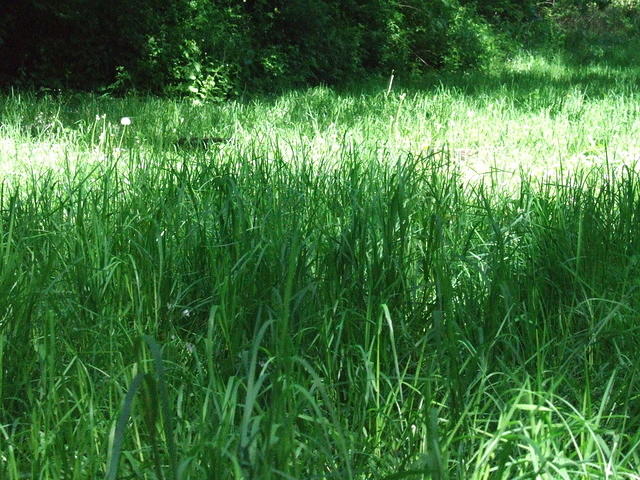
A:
(597, 80)
(199, 143)
(216, 50)
(67, 44)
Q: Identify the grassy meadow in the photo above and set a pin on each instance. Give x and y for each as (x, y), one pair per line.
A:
(422, 280)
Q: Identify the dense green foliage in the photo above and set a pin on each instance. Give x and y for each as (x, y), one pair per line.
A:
(342, 286)
(213, 50)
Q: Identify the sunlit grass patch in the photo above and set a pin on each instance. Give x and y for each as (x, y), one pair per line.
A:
(534, 114)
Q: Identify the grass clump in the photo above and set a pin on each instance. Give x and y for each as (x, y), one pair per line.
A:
(271, 307)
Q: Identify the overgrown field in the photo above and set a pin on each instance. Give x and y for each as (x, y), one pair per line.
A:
(436, 280)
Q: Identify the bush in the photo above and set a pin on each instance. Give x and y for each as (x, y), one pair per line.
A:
(427, 34)
(213, 50)
(594, 31)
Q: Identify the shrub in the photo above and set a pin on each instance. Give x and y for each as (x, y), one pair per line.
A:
(437, 34)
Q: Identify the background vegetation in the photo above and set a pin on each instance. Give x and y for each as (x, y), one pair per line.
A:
(214, 50)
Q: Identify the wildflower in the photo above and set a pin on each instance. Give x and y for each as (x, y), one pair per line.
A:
(124, 121)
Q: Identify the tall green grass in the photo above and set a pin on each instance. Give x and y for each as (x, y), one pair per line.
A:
(274, 308)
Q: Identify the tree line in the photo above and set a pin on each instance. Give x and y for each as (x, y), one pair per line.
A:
(214, 49)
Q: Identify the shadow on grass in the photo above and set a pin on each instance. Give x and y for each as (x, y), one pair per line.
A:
(559, 72)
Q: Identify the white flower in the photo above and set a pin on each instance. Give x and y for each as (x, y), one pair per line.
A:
(125, 121)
